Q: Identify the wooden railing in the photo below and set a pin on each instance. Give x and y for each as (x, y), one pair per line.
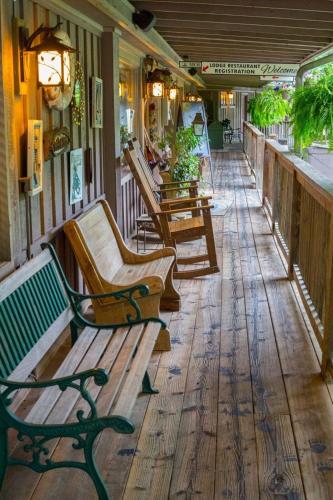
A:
(254, 145)
(299, 205)
(132, 204)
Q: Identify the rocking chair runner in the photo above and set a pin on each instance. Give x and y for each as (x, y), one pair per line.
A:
(173, 232)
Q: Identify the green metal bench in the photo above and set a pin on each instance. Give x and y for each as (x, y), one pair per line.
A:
(36, 305)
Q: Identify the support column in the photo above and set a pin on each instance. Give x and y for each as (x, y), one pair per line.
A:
(111, 129)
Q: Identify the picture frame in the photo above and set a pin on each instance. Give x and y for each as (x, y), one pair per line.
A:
(75, 176)
(96, 102)
(35, 157)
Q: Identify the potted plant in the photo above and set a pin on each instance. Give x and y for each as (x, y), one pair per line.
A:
(312, 109)
(270, 107)
(124, 138)
(183, 164)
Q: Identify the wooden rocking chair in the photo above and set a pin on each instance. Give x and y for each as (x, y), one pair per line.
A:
(165, 189)
(173, 232)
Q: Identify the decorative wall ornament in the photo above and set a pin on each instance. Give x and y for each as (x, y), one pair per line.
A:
(56, 142)
(35, 156)
(79, 95)
(76, 176)
(96, 102)
(59, 98)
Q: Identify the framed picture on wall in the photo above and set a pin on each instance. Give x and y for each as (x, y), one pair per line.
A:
(35, 156)
(75, 176)
(96, 102)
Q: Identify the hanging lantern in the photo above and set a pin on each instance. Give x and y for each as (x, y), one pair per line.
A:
(155, 85)
(173, 92)
(198, 125)
(53, 62)
(230, 98)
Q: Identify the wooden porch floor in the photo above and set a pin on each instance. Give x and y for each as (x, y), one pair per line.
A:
(243, 412)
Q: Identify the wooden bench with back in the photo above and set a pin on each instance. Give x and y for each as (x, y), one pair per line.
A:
(36, 306)
(108, 265)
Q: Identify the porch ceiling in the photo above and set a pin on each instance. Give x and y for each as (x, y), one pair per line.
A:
(285, 31)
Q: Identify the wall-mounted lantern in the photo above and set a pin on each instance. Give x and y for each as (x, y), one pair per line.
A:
(192, 97)
(198, 125)
(173, 92)
(53, 58)
(155, 85)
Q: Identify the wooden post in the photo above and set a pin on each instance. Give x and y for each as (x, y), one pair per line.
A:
(111, 130)
(294, 225)
(276, 192)
(265, 175)
(327, 344)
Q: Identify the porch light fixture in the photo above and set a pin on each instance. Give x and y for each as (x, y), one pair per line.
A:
(53, 58)
(155, 86)
(198, 125)
(173, 92)
(190, 97)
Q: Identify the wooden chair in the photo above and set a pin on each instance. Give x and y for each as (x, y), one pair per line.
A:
(165, 189)
(173, 232)
(108, 265)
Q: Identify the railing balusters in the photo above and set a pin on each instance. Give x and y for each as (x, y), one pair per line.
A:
(299, 203)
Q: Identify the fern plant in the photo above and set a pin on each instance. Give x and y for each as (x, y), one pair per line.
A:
(270, 107)
(312, 110)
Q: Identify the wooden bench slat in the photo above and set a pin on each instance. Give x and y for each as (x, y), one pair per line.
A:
(109, 391)
(132, 385)
(129, 273)
(48, 399)
(68, 398)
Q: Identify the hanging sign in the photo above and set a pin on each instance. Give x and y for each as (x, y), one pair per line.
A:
(252, 69)
(190, 64)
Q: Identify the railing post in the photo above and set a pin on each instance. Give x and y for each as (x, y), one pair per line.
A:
(276, 188)
(294, 225)
(327, 343)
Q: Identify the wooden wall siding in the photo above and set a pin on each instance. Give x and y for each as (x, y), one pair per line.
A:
(300, 208)
(5, 254)
(50, 209)
(132, 205)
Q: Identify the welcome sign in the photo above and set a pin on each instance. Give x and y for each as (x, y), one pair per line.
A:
(252, 69)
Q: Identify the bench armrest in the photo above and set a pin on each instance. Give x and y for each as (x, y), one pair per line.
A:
(192, 183)
(176, 188)
(127, 294)
(187, 209)
(76, 381)
(174, 201)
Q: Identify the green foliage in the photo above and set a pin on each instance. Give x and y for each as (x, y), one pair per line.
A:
(312, 109)
(186, 169)
(184, 165)
(270, 107)
(124, 134)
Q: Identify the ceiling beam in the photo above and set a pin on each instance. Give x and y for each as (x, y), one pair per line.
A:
(220, 44)
(230, 11)
(225, 19)
(174, 38)
(312, 5)
(244, 26)
(263, 37)
(188, 29)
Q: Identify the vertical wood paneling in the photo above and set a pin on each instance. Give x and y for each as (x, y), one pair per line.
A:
(50, 209)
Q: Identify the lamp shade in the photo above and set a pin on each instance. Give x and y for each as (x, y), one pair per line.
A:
(155, 86)
(198, 125)
(173, 92)
(53, 62)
